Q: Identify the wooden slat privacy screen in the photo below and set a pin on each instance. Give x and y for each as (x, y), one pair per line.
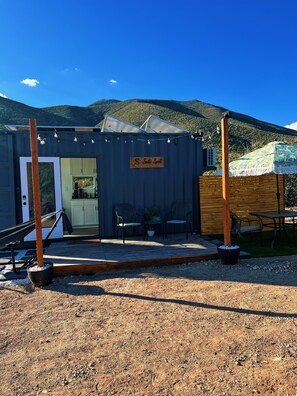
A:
(247, 194)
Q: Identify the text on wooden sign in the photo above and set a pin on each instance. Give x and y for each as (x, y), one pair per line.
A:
(146, 162)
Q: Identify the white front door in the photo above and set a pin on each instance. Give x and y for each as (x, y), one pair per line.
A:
(50, 193)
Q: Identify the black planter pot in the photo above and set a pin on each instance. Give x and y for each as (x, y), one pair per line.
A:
(41, 276)
(228, 256)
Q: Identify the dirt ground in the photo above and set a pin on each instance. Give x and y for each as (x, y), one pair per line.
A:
(194, 329)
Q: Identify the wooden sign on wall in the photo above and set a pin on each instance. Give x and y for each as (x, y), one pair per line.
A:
(146, 162)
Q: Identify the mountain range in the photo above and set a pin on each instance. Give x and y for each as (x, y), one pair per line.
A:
(245, 133)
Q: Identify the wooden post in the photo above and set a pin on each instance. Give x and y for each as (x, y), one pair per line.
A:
(225, 179)
(36, 192)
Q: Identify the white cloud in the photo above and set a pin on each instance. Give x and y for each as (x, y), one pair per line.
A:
(292, 126)
(3, 96)
(113, 82)
(30, 82)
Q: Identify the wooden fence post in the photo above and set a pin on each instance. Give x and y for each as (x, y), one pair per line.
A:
(225, 178)
(36, 192)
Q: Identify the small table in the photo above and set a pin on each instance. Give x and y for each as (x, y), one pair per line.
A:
(148, 224)
(277, 220)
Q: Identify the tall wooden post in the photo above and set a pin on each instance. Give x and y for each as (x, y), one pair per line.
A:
(225, 179)
(36, 192)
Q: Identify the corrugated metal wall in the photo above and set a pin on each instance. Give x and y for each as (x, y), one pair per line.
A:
(7, 187)
(117, 182)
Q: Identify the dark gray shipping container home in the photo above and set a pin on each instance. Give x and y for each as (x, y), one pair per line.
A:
(87, 172)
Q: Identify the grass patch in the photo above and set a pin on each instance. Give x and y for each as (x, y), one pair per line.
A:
(260, 243)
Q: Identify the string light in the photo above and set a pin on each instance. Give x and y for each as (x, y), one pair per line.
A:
(193, 136)
(218, 130)
(196, 136)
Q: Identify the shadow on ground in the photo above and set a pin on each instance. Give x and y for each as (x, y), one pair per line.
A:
(256, 273)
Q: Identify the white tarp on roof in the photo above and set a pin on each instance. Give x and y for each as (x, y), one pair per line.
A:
(113, 124)
(155, 124)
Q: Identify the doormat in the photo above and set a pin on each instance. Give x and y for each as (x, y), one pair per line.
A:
(9, 275)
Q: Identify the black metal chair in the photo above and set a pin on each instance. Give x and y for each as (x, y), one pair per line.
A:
(126, 216)
(180, 215)
(241, 225)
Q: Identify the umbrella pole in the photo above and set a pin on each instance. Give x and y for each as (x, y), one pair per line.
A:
(277, 193)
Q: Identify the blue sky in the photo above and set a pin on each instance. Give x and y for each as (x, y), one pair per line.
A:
(239, 54)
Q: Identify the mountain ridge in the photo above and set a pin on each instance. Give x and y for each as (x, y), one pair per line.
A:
(245, 132)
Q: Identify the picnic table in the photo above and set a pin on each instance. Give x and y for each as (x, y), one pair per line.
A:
(277, 220)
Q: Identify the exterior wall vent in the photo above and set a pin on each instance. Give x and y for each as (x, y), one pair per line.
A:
(209, 157)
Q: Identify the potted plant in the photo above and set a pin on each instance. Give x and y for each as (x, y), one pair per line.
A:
(150, 231)
(151, 218)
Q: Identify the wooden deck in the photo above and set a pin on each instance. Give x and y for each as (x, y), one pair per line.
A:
(74, 257)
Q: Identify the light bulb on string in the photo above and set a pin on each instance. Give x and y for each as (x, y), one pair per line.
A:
(38, 137)
(148, 142)
(92, 141)
(168, 140)
(56, 135)
(75, 139)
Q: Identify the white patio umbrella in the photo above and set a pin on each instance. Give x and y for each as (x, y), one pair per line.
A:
(276, 157)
